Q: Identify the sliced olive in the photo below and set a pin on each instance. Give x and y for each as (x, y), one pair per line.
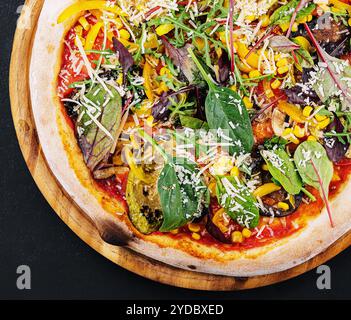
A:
(144, 203)
(270, 211)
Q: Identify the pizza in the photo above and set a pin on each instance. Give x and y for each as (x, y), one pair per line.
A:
(210, 135)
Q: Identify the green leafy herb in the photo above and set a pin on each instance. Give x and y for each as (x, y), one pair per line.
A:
(192, 123)
(97, 138)
(284, 13)
(282, 168)
(237, 201)
(183, 193)
(225, 110)
(315, 168)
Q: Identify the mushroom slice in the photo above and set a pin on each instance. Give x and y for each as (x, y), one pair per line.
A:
(278, 120)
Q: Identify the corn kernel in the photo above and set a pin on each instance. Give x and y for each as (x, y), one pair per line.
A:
(246, 233)
(295, 27)
(254, 74)
(284, 26)
(309, 18)
(284, 69)
(277, 57)
(119, 24)
(320, 117)
(269, 93)
(307, 111)
(248, 104)
(276, 84)
(294, 140)
(311, 138)
(85, 24)
(124, 34)
(298, 131)
(265, 20)
(200, 43)
(336, 177)
(78, 30)
(349, 22)
(282, 205)
(175, 231)
(164, 29)
(265, 189)
(287, 132)
(235, 172)
(265, 167)
(323, 124)
(212, 188)
(195, 236)
(245, 76)
(233, 87)
(250, 18)
(150, 121)
(237, 237)
(282, 62)
(193, 227)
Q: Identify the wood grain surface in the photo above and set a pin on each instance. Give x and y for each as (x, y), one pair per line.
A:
(77, 221)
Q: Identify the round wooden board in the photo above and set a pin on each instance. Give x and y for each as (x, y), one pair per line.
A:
(77, 221)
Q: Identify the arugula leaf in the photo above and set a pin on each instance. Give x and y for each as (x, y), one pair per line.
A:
(237, 201)
(284, 13)
(312, 151)
(225, 110)
(282, 168)
(96, 141)
(183, 193)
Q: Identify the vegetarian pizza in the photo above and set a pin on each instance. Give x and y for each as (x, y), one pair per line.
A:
(213, 135)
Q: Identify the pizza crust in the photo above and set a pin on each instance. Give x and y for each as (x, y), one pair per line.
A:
(58, 143)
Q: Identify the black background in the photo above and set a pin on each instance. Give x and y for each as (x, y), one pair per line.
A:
(63, 267)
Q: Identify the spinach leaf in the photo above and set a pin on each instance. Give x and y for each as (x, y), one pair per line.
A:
(333, 76)
(282, 168)
(284, 13)
(225, 110)
(97, 138)
(307, 154)
(192, 123)
(237, 201)
(183, 193)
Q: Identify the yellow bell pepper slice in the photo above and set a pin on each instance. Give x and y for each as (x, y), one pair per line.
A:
(292, 111)
(92, 35)
(252, 59)
(266, 189)
(89, 5)
(137, 170)
(341, 5)
(147, 74)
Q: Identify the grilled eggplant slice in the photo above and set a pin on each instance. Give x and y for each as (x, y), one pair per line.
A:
(144, 203)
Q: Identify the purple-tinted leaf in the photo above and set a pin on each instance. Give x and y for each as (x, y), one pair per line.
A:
(97, 141)
(180, 58)
(125, 58)
(335, 148)
(160, 110)
(296, 95)
(223, 68)
(282, 44)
